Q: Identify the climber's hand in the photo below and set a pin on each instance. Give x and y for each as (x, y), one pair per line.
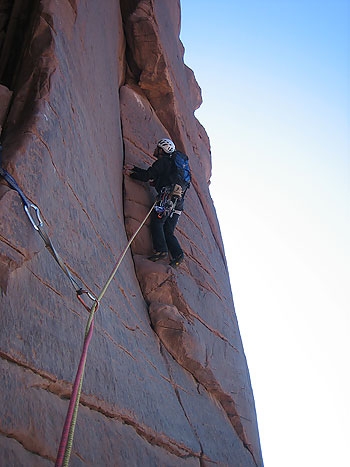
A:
(128, 169)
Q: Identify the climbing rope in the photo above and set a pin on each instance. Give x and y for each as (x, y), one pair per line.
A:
(67, 436)
(66, 443)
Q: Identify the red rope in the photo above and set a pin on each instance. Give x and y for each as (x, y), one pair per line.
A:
(72, 403)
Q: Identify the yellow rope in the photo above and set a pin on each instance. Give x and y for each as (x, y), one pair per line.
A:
(123, 254)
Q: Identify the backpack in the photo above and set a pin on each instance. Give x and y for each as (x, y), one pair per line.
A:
(181, 172)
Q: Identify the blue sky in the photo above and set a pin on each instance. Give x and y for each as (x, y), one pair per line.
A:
(275, 79)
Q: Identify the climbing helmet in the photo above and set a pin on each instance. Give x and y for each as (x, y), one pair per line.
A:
(167, 145)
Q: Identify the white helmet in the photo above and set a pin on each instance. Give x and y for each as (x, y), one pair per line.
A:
(167, 145)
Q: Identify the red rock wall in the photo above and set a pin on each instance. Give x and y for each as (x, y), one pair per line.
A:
(166, 383)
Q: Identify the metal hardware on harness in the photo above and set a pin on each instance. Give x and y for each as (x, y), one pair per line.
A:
(164, 205)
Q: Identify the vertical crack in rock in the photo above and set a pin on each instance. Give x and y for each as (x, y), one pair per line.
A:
(195, 322)
(182, 340)
(150, 68)
(213, 224)
(26, 64)
(16, 17)
(176, 390)
(179, 329)
(26, 59)
(127, 7)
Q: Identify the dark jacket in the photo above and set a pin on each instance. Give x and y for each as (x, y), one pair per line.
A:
(160, 173)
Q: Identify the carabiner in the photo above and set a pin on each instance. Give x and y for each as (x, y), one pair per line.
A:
(39, 223)
(81, 292)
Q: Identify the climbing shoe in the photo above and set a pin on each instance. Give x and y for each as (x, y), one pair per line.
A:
(176, 261)
(159, 255)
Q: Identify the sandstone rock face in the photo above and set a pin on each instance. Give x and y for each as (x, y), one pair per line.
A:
(166, 380)
(5, 99)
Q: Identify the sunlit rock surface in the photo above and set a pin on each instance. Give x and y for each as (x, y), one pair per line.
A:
(85, 90)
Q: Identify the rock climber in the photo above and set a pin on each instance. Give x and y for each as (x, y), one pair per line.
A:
(160, 173)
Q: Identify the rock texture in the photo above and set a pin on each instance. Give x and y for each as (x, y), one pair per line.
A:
(87, 88)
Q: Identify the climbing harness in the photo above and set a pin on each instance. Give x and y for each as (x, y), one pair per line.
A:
(165, 203)
(65, 447)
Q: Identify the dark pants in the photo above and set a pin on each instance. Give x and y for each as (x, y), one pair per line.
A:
(163, 237)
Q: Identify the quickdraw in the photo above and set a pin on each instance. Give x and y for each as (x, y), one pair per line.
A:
(33, 213)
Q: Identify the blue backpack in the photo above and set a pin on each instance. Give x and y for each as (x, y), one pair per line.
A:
(181, 172)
